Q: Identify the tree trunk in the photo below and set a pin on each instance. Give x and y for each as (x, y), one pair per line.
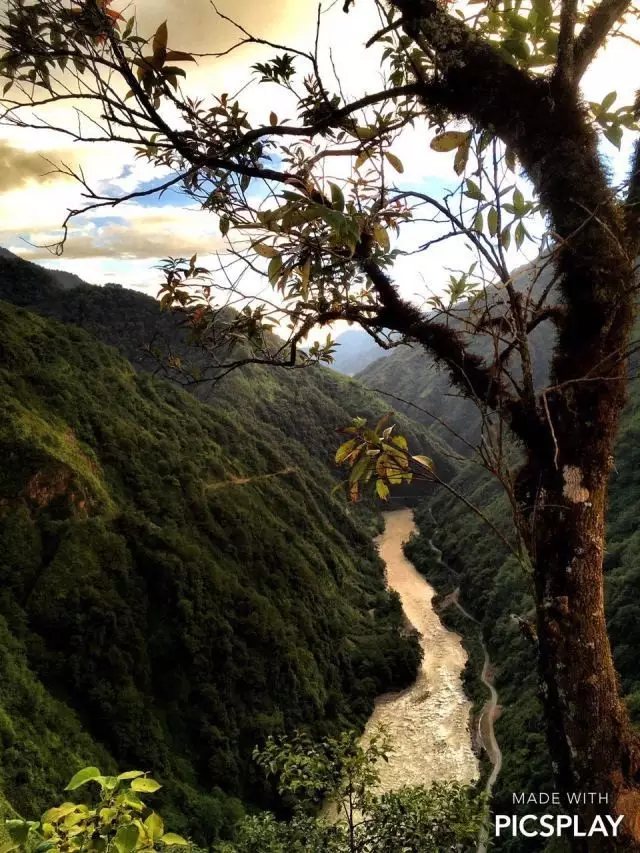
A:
(591, 742)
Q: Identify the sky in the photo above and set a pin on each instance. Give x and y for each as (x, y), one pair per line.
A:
(124, 244)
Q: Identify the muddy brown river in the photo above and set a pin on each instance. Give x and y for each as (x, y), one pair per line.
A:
(428, 722)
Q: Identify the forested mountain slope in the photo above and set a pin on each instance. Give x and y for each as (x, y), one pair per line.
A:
(303, 405)
(176, 579)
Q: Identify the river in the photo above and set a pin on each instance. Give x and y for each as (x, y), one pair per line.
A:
(428, 722)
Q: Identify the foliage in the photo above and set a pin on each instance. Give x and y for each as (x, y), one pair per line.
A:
(322, 242)
(358, 819)
(120, 821)
(377, 454)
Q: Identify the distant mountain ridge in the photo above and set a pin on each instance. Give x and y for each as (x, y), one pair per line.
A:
(130, 321)
(411, 374)
(65, 279)
(355, 351)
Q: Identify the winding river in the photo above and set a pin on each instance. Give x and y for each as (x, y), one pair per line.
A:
(429, 722)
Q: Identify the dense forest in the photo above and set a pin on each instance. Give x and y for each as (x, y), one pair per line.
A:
(177, 580)
(456, 548)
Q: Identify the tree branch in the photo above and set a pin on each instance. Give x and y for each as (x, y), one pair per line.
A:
(468, 371)
(564, 70)
(595, 31)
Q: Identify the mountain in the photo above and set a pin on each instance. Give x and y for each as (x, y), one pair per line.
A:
(356, 349)
(62, 278)
(305, 406)
(177, 580)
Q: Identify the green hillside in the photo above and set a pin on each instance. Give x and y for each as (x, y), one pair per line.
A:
(176, 579)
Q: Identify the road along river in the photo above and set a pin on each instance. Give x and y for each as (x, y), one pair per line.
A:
(429, 722)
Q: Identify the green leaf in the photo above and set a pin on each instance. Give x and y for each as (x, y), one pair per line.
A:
(18, 830)
(129, 28)
(224, 225)
(518, 48)
(58, 812)
(520, 234)
(131, 774)
(362, 158)
(492, 221)
(145, 785)
(179, 56)
(345, 449)
(400, 441)
(517, 22)
(607, 101)
(126, 838)
(543, 8)
(366, 132)
(8, 846)
(382, 490)
(274, 269)
(614, 135)
(360, 469)
(337, 197)
(460, 160)
(478, 222)
(132, 800)
(396, 162)
(154, 826)
(518, 201)
(160, 41)
(264, 251)
(473, 191)
(172, 838)
(88, 774)
(424, 461)
(505, 237)
(173, 71)
(381, 236)
(449, 140)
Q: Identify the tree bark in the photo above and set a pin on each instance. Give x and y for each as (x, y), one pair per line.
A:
(592, 746)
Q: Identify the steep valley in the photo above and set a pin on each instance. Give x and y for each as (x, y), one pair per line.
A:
(177, 580)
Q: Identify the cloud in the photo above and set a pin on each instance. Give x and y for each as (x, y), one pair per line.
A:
(19, 167)
(146, 233)
(35, 207)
